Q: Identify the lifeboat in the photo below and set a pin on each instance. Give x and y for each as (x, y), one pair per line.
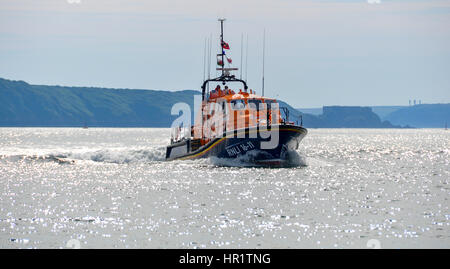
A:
(235, 123)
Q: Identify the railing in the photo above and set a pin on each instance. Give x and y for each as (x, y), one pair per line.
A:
(179, 134)
(183, 133)
(286, 114)
(285, 119)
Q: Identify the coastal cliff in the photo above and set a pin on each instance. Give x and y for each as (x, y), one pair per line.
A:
(26, 105)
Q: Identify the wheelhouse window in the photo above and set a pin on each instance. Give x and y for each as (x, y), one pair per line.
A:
(269, 103)
(237, 104)
(254, 103)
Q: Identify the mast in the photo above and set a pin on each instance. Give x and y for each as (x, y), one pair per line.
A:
(221, 43)
(242, 49)
(225, 77)
(204, 60)
(246, 59)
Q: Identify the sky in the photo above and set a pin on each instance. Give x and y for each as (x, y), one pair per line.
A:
(323, 52)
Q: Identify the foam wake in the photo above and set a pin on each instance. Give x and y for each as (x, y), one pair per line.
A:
(119, 156)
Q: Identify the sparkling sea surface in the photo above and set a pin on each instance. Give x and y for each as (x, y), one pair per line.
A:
(111, 188)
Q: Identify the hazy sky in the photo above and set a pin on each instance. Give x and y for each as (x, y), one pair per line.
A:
(324, 52)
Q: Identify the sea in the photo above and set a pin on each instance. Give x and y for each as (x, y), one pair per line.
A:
(112, 188)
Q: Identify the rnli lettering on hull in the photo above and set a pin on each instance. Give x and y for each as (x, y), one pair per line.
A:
(236, 149)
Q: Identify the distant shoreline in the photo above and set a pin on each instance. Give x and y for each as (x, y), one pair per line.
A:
(25, 105)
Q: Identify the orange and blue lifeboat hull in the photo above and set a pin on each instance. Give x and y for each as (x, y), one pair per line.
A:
(267, 146)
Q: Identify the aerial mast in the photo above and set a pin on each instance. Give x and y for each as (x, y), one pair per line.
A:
(221, 43)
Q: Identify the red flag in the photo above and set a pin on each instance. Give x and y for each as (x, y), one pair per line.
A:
(225, 45)
(229, 60)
